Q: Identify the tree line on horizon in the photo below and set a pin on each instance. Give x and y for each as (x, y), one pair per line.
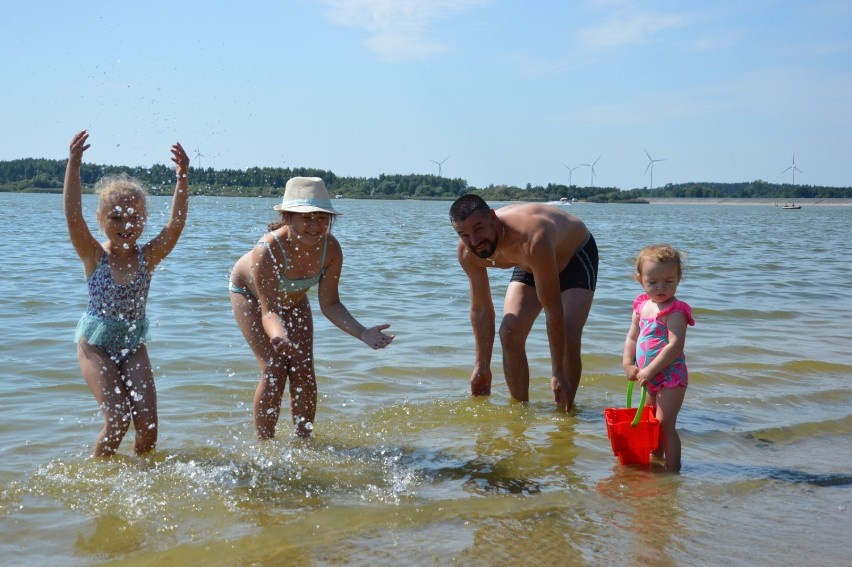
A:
(47, 175)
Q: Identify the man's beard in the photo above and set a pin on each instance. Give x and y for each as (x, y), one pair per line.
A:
(487, 252)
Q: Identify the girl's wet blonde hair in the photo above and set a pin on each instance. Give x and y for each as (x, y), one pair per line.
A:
(663, 254)
(113, 188)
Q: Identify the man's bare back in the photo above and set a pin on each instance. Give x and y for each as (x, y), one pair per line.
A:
(555, 263)
(528, 224)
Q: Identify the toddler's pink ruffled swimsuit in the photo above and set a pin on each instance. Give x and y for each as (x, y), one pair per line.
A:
(653, 336)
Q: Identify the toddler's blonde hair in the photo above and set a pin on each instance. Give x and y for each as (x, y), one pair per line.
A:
(662, 253)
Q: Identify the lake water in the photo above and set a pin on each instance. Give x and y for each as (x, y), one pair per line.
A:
(404, 467)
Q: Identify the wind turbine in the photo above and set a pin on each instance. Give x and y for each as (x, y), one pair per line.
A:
(198, 156)
(571, 171)
(793, 168)
(592, 165)
(440, 163)
(650, 166)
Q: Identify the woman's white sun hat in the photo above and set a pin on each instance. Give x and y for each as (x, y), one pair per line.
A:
(306, 195)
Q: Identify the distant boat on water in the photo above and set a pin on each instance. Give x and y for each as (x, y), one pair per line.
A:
(791, 206)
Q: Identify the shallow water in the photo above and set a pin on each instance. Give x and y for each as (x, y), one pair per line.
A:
(403, 465)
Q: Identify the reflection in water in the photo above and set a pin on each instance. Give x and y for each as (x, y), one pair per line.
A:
(109, 536)
(646, 509)
(530, 461)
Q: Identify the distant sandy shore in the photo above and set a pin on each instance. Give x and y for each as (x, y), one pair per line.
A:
(760, 202)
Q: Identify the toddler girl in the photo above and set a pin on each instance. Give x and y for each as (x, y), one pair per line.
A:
(653, 350)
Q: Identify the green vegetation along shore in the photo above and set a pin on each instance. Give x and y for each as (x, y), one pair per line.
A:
(46, 175)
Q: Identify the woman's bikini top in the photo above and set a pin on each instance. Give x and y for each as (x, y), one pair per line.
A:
(286, 285)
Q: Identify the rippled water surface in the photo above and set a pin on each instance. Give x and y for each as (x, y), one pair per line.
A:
(404, 467)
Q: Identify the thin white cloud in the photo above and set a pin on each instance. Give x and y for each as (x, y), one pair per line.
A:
(712, 41)
(622, 29)
(398, 29)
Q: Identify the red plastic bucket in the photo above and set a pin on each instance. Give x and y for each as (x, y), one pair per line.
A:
(632, 436)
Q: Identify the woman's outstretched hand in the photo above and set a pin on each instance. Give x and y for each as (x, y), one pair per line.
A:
(283, 345)
(375, 338)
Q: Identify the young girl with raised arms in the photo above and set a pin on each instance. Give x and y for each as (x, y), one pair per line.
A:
(653, 350)
(111, 335)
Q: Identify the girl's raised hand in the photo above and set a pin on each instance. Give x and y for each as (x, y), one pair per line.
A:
(181, 160)
(78, 146)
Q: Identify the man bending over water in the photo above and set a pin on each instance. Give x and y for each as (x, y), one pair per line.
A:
(555, 261)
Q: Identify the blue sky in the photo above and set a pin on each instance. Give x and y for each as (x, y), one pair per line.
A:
(501, 92)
